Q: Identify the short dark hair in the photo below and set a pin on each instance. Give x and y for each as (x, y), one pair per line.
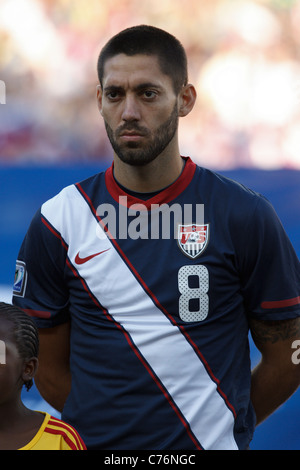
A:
(149, 40)
(24, 331)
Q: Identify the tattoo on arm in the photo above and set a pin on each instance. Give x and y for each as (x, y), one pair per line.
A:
(273, 331)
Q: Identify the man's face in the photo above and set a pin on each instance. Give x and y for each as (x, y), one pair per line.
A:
(139, 107)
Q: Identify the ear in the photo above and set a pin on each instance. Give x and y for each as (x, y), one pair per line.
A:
(187, 99)
(99, 97)
(29, 369)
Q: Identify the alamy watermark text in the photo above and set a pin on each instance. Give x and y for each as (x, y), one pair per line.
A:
(2, 92)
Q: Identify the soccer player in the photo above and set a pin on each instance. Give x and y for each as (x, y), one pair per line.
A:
(21, 428)
(145, 279)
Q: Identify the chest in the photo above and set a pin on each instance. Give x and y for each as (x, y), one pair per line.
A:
(188, 270)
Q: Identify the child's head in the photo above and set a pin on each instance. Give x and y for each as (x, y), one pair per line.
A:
(19, 334)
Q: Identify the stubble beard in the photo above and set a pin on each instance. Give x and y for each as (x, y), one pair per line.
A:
(132, 153)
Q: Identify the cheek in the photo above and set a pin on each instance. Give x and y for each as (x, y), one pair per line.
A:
(109, 123)
(164, 114)
(10, 377)
(111, 114)
(7, 383)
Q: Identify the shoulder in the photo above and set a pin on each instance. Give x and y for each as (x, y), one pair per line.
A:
(231, 198)
(225, 185)
(68, 193)
(69, 202)
(69, 434)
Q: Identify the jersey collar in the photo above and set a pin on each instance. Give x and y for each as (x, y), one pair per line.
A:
(163, 197)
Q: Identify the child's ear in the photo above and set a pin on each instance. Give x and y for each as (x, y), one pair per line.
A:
(29, 369)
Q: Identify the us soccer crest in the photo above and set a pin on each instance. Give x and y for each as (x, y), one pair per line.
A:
(193, 239)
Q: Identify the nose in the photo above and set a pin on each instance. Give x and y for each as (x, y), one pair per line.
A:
(131, 110)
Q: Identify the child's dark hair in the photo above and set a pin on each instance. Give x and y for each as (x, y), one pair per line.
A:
(25, 332)
(149, 40)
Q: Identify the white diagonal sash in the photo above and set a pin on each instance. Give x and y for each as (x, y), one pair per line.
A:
(160, 342)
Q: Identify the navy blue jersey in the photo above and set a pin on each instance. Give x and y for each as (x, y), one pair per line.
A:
(159, 320)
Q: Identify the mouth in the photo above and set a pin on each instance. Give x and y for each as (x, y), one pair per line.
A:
(131, 136)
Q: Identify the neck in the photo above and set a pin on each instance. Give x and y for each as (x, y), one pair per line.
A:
(157, 175)
(12, 413)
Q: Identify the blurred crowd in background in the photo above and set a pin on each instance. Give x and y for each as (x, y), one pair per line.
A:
(244, 59)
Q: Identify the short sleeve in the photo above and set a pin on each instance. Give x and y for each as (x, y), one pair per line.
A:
(39, 285)
(269, 266)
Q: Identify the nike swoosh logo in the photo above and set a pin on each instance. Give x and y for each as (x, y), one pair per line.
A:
(79, 260)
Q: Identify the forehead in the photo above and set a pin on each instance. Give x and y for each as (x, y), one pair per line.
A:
(124, 70)
(6, 329)
(8, 347)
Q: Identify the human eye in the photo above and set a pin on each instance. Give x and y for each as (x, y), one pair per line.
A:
(113, 94)
(149, 95)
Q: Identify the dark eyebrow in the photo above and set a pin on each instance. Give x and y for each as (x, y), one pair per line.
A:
(140, 87)
(113, 88)
(144, 86)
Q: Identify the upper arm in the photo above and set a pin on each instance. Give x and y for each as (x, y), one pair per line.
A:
(53, 378)
(268, 267)
(274, 339)
(277, 376)
(44, 292)
(54, 353)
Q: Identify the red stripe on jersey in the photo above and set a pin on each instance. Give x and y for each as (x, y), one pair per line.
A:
(37, 313)
(64, 435)
(281, 303)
